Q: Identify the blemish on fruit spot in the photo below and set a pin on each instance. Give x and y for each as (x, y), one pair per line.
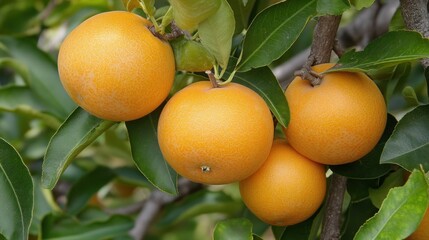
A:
(205, 169)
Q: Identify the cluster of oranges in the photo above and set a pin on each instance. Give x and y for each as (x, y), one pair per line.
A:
(116, 69)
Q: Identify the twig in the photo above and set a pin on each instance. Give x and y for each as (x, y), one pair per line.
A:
(332, 221)
(155, 203)
(416, 17)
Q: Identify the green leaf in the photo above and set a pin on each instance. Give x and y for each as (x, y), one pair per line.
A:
(17, 196)
(43, 80)
(409, 144)
(19, 18)
(191, 56)
(132, 176)
(395, 179)
(273, 32)
(410, 96)
(189, 13)
(75, 134)
(201, 202)
(22, 100)
(332, 7)
(263, 82)
(217, 31)
(303, 230)
(359, 4)
(16, 66)
(147, 155)
(67, 228)
(388, 81)
(391, 49)
(369, 167)
(241, 13)
(237, 229)
(427, 79)
(44, 204)
(357, 214)
(400, 213)
(86, 187)
(131, 4)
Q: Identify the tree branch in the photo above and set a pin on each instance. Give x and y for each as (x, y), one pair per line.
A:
(154, 204)
(416, 17)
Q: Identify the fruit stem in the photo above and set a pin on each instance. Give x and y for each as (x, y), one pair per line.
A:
(231, 76)
(212, 78)
(307, 73)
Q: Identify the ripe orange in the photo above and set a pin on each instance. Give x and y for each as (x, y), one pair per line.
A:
(338, 121)
(115, 68)
(287, 189)
(215, 135)
(422, 232)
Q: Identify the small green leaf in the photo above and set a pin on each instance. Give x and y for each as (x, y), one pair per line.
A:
(86, 187)
(131, 4)
(388, 81)
(68, 228)
(237, 229)
(409, 144)
(369, 167)
(391, 49)
(201, 202)
(400, 213)
(216, 33)
(189, 13)
(17, 196)
(263, 82)
(359, 4)
(410, 96)
(149, 7)
(332, 7)
(273, 32)
(395, 179)
(191, 56)
(75, 134)
(147, 155)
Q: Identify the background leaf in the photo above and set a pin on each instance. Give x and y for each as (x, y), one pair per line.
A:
(409, 144)
(147, 155)
(332, 7)
(75, 134)
(217, 31)
(395, 179)
(400, 213)
(359, 4)
(189, 13)
(391, 49)
(242, 13)
(273, 32)
(237, 229)
(17, 197)
(263, 82)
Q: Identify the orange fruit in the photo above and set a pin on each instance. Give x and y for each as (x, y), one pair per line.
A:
(338, 121)
(215, 135)
(422, 232)
(287, 189)
(115, 68)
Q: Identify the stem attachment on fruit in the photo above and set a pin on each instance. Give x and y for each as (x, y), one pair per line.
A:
(307, 73)
(205, 169)
(212, 78)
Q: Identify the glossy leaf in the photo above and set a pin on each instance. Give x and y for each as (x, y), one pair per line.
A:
(357, 214)
(64, 228)
(410, 96)
(86, 187)
(75, 134)
(43, 80)
(263, 82)
(17, 196)
(201, 202)
(273, 32)
(189, 13)
(242, 13)
(147, 155)
(395, 179)
(332, 7)
(409, 144)
(391, 49)
(237, 229)
(359, 4)
(400, 213)
(22, 100)
(216, 33)
(191, 56)
(369, 167)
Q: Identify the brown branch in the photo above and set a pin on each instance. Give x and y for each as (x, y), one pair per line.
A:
(332, 221)
(416, 17)
(154, 204)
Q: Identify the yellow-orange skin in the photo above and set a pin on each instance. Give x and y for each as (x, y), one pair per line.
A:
(115, 68)
(338, 121)
(287, 189)
(227, 129)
